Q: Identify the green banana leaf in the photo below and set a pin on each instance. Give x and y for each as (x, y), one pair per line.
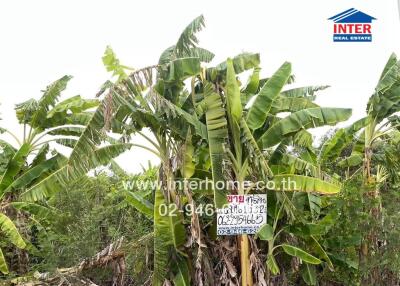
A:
(37, 210)
(299, 253)
(217, 134)
(49, 99)
(3, 263)
(182, 278)
(309, 274)
(112, 64)
(333, 147)
(186, 45)
(30, 175)
(300, 165)
(188, 164)
(139, 203)
(266, 232)
(14, 166)
(300, 120)
(41, 155)
(76, 104)
(272, 265)
(233, 92)
(10, 231)
(386, 99)
(390, 74)
(73, 170)
(259, 158)
(308, 92)
(318, 249)
(269, 92)
(188, 40)
(241, 63)
(169, 234)
(304, 184)
(351, 161)
(181, 69)
(68, 130)
(164, 106)
(253, 82)
(291, 104)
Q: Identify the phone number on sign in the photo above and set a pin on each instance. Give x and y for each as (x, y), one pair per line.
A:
(240, 219)
(188, 209)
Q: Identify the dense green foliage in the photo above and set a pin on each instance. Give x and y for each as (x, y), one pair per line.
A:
(87, 220)
(74, 219)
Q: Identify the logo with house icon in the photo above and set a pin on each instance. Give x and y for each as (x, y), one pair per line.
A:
(352, 25)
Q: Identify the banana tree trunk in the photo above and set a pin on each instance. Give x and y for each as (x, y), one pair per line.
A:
(369, 243)
(247, 276)
(244, 246)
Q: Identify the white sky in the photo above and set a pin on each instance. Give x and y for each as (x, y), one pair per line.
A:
(44, 40)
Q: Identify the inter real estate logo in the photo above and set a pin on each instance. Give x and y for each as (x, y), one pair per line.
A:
(352, 26)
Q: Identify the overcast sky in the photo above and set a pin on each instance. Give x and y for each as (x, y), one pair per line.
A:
(44, 40)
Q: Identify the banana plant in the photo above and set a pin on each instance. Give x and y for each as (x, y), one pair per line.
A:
(262, 129)
(365, 137)
(32, 169)
(153, 105)
(378, 123)
(238, 126)
(287, 219)
(11, 233)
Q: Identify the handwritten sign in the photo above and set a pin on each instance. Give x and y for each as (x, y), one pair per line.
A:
(244, 214)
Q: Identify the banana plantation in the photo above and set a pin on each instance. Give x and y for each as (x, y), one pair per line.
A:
(68, 216)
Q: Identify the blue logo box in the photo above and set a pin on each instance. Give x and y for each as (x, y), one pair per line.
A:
(352, 37)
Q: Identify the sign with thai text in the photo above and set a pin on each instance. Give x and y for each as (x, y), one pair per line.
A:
(244, 214)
